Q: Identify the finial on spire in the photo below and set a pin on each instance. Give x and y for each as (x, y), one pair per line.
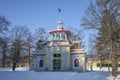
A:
(59, 13)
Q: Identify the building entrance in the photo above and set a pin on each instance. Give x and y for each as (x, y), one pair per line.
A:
(56, 62)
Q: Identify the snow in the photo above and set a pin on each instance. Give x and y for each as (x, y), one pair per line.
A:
(102, 69)
(25, 74)
(17, 69)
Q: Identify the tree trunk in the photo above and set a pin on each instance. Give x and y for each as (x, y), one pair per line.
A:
(114, 61)
(4, 56)
(114, 65)
(15, 60)
(14, 64)
(109, 62)
(101, 62)
(4, 60)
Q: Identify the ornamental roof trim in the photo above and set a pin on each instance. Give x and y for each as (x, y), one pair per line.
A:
(54, 31)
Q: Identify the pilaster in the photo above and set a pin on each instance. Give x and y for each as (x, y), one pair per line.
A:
(83, 63)
(68, 58)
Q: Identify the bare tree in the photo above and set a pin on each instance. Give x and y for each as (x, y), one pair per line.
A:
(41, 38)
(76, 33)
(4, 23)
(19, 36)
(40, 33)
(3, 50)
(29, 45)
(104, 16)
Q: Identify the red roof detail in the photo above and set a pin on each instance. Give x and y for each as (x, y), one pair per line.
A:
(66, 31)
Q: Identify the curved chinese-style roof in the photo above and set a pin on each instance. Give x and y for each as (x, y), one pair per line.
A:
(60, 29)
(66, 31)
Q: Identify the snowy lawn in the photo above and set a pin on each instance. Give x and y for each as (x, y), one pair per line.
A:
(24, 74)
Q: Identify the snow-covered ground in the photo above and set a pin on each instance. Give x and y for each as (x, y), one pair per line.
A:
(17, 69)
(25, 74)
(101, 69)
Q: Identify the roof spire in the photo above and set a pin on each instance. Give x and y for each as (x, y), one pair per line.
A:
(60, 25)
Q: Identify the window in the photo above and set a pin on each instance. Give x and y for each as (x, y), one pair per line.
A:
(76, 63)
(41, 63)
(57, 55)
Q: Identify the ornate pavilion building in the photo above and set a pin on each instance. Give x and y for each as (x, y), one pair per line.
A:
(60, 54)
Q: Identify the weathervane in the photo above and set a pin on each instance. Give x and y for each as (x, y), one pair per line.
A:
(59, 10)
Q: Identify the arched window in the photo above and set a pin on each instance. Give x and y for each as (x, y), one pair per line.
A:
(76, 63)
(41, 63)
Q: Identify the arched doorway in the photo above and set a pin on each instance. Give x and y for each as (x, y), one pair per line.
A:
(41, 63)
(57, 62)
(76, 63)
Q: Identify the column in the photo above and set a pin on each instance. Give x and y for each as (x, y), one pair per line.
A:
(65, 36)
(46, 58)
(52, 36)
(55, 36)
(60, 36)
